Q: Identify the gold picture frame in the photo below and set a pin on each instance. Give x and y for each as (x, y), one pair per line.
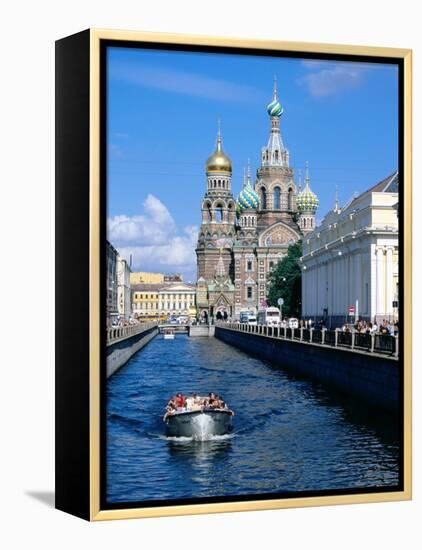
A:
(91, 508)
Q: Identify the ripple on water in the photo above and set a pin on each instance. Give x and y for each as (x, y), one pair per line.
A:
(289, 434)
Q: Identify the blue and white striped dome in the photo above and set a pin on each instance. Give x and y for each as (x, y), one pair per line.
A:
(274, 108)
(247, 199)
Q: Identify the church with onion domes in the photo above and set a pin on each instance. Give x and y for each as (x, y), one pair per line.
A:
(241, 241)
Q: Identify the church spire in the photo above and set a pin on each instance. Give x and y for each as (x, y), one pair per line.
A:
(275, 154)
(307, 176)
(219, 140)
(336, 203)
(249, 173)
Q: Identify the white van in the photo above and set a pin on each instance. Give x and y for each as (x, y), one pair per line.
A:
(247, 317)
(269, 317)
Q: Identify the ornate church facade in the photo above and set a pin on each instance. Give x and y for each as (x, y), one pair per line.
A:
(241, 241)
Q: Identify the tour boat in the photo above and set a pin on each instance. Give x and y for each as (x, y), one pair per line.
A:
(199, 424)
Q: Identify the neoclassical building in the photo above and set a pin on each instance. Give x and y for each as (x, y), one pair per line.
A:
(161, 300)
(351, 260)
(240, 241)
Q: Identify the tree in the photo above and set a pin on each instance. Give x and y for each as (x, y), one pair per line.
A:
(286, 282)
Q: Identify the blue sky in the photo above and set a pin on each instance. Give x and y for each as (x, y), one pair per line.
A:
(162, 121)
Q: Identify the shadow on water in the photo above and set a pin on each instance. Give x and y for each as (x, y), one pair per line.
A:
(351, 410)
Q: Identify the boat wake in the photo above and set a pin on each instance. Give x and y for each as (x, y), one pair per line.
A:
(207, 437)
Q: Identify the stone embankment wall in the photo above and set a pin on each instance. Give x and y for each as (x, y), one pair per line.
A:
(121, 349)
(371, 377)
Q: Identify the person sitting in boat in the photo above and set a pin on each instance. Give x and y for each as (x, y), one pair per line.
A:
(170, 409)
(180, 400)
(197, 402)
(189, 403)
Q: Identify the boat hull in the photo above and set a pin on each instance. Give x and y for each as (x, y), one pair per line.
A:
(200, 425)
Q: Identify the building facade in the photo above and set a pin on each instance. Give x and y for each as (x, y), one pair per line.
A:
(160, 301)
(177, 299)
(350, 262)
(145, 301)
(112, 311)
(240, 241)
(124, 300)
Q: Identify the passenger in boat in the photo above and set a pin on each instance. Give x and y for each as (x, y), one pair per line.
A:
(170, 409)
(197, 402)
(213, 402)
(180, 400)
(189, 403)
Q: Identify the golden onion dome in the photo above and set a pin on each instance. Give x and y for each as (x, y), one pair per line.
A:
(218, 161)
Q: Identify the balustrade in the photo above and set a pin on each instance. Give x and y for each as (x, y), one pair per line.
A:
(353, 340)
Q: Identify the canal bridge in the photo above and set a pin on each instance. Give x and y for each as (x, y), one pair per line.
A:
(176, 328)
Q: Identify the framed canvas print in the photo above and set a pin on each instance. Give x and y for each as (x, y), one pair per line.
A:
(233, 274)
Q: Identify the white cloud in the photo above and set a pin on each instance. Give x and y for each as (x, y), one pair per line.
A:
(333, 78)
(154, 241)
(182, 82)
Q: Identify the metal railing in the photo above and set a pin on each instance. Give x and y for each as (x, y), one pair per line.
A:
(385, 344)
(120, 333)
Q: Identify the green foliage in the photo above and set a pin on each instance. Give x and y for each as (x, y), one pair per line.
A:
(286, 282)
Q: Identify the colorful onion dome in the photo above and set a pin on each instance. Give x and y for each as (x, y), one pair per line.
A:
(274, 108)
(307, 201)
(248, 198)
(218, 161)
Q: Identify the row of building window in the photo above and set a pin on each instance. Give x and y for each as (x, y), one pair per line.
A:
(141, 296)
(164, 305)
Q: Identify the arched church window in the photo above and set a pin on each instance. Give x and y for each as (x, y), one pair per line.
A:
(290, 199)
(304, 222)
(276, 155)
(263, 198)
(277, 193)
(219, 212)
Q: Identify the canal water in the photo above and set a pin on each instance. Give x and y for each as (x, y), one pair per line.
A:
(290, 434)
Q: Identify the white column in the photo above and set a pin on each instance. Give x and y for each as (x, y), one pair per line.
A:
(344, 277)
(337, 285)
(380, 289)
(389, 281)
(358, 279)
(318, 289)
